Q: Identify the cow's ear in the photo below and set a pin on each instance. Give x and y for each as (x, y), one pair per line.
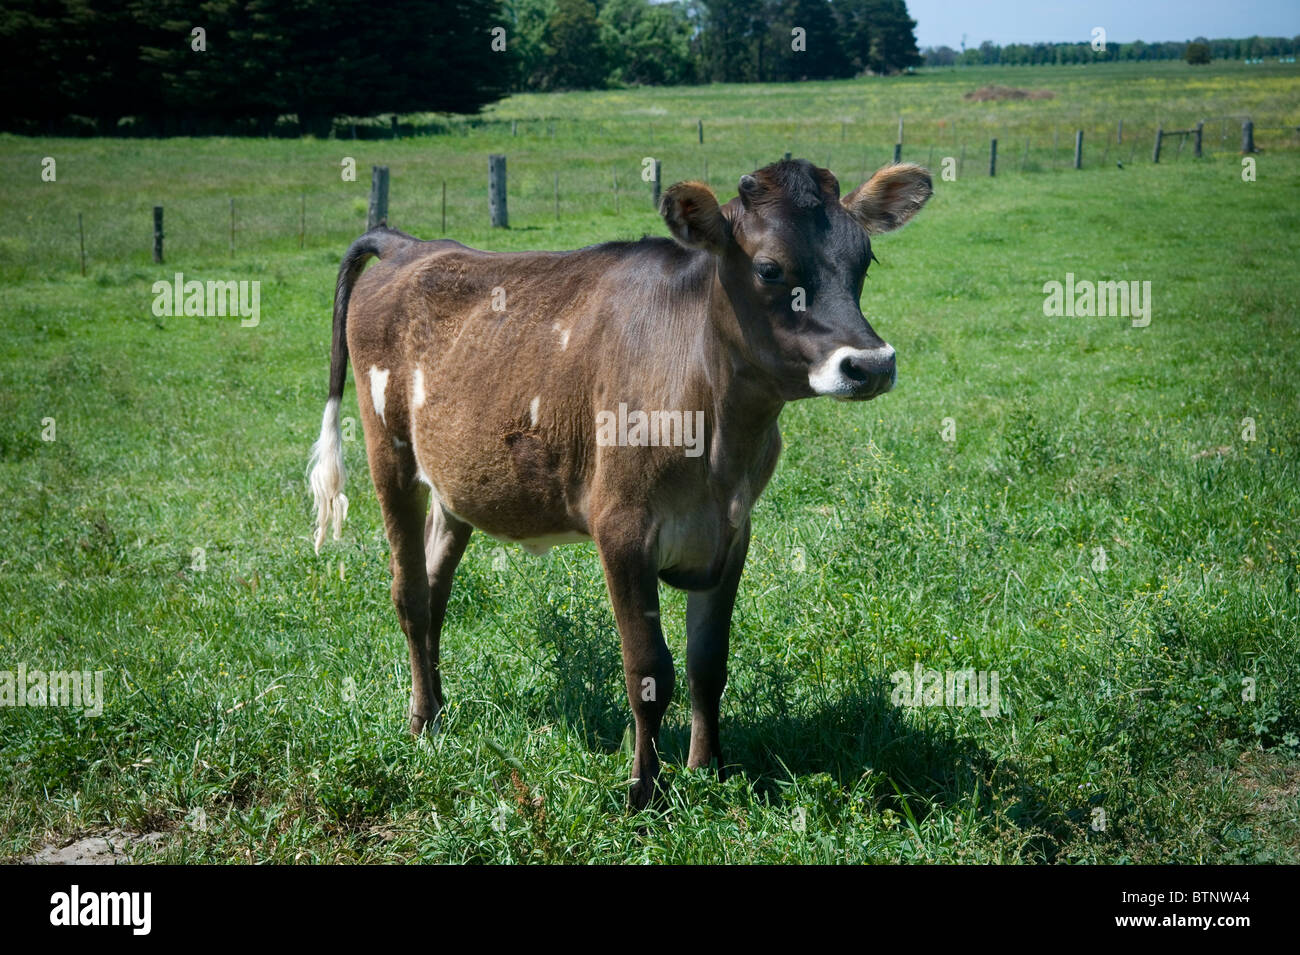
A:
(693, 217)
(890, 197)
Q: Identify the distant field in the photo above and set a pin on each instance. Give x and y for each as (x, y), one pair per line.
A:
(256, 692)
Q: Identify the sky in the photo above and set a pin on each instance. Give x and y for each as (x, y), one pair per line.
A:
(942, 22)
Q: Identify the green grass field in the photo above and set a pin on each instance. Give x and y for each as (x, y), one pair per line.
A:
(256, 693)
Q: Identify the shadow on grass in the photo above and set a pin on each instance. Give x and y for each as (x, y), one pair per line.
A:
(771, 739)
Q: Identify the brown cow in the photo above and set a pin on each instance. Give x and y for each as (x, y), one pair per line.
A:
(626, 393)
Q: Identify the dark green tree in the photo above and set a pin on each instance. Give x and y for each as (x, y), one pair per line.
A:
(646, 43)
(575, 57)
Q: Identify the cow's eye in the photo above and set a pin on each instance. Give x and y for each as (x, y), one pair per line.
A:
(768, 271)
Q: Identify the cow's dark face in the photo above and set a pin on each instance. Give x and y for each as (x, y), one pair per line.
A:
(792, 258)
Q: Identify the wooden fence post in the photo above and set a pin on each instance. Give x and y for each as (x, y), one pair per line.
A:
(378, 213)
(898, 153)
(993, 157)
(1248, 137)
(699, 123)
(656, 185)
(1160, 132)
(158, 234)
(1119, 136)
(1200, 126)
(497, 191)
(1078, 149)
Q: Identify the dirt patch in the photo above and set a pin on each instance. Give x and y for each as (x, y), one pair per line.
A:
(1271, 805)
(990, 94)
(112, 848)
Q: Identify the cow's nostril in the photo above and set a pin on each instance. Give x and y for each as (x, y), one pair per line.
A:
(852, 370)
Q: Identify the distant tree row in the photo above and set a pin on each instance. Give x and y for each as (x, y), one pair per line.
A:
(583, 43)
(176, 66)
(570, 44)
(1038, 54)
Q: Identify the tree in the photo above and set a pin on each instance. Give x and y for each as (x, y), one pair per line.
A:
(893, 37)
(575, 58)
(526, 25)
(815, 52)
(877, 35)
(1198, 54)
(731, 41)
(646, 43)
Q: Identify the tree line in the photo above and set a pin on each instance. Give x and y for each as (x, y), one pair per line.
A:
(585, 44)
(302, 66)
(299, 66)
(1042, 54)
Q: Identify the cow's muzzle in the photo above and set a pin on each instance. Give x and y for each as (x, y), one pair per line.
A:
(855, 374)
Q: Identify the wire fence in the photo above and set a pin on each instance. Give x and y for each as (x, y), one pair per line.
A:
(560, 175)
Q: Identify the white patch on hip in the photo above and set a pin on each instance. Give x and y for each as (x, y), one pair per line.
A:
(417, 389)
(564, 335)
(829, 379)
(378, 385)
(533, 407)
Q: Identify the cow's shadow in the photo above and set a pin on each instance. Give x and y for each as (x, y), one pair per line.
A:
(924, 757)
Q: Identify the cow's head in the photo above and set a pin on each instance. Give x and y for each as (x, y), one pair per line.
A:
(792, 256)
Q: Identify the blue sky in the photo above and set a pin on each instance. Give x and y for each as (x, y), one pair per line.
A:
(1009, 21)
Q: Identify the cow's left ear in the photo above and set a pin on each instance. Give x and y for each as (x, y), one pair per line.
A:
(693, 217)
(890, 197)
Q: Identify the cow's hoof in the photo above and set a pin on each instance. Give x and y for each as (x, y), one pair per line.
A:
(645, 794)
(423, 726)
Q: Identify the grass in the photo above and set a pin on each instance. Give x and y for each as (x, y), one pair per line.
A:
(256, 692)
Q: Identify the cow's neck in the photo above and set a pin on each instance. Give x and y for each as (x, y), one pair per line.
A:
(743, 402)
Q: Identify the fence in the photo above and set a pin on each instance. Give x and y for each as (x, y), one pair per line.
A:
(460, 199)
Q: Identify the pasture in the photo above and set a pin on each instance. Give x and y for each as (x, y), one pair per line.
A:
(1076, 503)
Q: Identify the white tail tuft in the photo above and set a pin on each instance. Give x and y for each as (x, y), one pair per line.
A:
(327, 475)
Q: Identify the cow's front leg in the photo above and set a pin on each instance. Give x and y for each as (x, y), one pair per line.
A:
(633, 585)
(708, 629)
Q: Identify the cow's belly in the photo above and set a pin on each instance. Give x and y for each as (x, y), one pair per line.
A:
(515, 490)
(692, 548)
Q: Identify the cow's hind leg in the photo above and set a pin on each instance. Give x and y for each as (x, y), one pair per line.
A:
(445, 538)
(403, 501)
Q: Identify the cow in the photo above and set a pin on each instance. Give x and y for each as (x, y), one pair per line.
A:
(513, 391)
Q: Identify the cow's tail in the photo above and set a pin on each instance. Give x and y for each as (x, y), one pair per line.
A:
(325, 466)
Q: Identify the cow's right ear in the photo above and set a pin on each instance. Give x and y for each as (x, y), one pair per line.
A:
(693, 217)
